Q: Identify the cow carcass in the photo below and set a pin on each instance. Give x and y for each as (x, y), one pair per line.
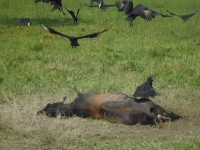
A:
(113, 107)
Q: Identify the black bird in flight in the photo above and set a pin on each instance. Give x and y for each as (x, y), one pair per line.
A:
(75, 17)
(57, 4)
(183, 17)
(145, 90)
(73, 39)
(138, 10)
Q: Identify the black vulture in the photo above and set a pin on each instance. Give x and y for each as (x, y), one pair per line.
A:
(25, 21)
(73, 39)
(97, 1)
(145, 90)
(183, 17)
(57, 4)
(138, 10)
(75, 17)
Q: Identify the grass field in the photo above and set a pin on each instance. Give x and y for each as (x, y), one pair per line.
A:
(37, 67)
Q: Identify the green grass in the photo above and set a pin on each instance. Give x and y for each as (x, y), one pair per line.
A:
(37, 67)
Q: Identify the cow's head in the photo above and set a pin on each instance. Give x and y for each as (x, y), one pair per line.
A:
(53, 109)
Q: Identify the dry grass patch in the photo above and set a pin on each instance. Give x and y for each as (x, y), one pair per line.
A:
(27, 130)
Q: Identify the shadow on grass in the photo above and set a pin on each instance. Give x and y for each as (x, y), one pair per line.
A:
(1, 80)
(48, 21)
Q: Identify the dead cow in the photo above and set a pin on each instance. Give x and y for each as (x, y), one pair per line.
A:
(113, 107)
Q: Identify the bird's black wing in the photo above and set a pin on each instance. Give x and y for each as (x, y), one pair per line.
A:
(78, 11)
(184, 17)
(145, 91)
(50, 30)
(71, 13)
(146, 13)
(172, 13)
(140, 91)
(128, 7)
(57, 4)
(187, 17)
(121, 4)
(92, 35)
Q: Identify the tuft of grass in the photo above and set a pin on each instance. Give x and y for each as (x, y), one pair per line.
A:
(37, 47)
(186, 145)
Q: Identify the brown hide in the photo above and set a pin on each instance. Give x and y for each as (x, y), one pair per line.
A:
(114, 107)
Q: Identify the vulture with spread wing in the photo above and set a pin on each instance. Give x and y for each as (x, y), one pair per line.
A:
(139, 10)
(73, 39)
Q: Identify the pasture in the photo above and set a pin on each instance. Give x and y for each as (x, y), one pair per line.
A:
(37, 67)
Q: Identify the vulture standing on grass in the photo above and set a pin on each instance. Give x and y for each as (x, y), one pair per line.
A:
(183, 17)
(75, 17)
(57, 4)
(97, 1)
(73, 39)
(145, 90)
(138, 10)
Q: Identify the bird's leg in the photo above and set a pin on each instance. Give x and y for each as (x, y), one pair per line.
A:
(61, 10)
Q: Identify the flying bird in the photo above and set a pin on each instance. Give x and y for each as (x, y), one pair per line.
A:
(57, 4)
(73, 39)
(75, 17)
(183, 17)
(145, 90)
(139, 10)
